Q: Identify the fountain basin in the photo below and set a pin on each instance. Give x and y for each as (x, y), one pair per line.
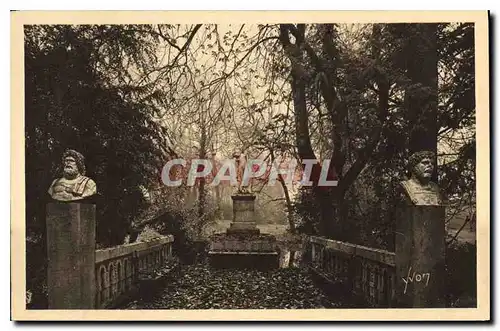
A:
(243, 250)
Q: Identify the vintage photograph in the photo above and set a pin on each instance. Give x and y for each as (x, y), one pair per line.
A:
(252, 166)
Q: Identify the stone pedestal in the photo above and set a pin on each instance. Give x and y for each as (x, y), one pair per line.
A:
(243, 246)
(420, 256)
(71, 255)
(243, 215)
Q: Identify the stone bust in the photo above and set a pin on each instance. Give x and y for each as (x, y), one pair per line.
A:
(74, 185)
(419, 189)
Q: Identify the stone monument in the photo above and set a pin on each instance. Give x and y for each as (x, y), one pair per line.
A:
(73, 185)
(242, 245)
(420, 237)
(419, 189)
(71, 237)
(243, 202)
(240, 164)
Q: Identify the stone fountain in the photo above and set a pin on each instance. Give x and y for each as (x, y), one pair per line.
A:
(242, 245)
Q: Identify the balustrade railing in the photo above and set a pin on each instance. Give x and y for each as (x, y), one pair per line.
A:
(368, 273)
(117, 269)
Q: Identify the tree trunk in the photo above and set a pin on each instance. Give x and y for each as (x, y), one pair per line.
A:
(201, 182)
(218, 202)
(421, 97)
(289, 208)
(287, 198)
(332, 211)
(323, 195)
(291, 261)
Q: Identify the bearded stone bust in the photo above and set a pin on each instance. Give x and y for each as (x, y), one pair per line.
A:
(419, 189)
(74, 185)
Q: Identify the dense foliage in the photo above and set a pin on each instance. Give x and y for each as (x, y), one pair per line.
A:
(382, 52)
(70, 103)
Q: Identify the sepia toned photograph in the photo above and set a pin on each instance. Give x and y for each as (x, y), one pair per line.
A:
(259, 166)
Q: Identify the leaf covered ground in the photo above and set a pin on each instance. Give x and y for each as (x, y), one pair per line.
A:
(201, 287)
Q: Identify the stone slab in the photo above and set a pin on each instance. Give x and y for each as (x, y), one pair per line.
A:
(237, 245)
(244, 260)
(127, 249)
(71, 255)
(241, 230)
(378, 255)
(420, 256)
(244, 210)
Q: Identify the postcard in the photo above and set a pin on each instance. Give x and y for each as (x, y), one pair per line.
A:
(250, 165)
